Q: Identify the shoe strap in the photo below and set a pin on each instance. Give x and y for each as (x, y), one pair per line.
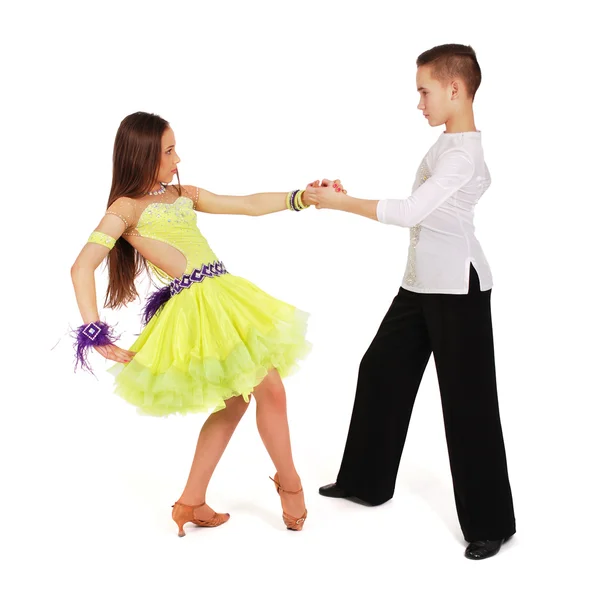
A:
(284, 491)
(188, 505)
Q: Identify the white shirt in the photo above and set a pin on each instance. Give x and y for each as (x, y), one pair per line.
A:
(450, 181)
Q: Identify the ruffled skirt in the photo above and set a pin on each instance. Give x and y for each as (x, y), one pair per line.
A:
(212, 341)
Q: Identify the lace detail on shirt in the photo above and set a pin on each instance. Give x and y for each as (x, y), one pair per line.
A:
(415, 232)
(424, 173)
(411, 271)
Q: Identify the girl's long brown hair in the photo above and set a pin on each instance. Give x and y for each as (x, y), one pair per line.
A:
(136, 163)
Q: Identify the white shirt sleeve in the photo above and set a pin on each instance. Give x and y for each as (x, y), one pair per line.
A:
(453, 169)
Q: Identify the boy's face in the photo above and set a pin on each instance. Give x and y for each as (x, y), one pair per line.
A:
(435, 99)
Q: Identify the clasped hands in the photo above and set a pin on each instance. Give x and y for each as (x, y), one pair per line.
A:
(323, 194)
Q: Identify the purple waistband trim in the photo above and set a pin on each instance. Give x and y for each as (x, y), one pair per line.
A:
(157, 299)
(214, 269)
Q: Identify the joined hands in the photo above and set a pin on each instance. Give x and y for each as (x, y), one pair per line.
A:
(323, 194)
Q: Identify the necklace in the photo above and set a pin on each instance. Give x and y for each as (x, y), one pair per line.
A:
(161, 190)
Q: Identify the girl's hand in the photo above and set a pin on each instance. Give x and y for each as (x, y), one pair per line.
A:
(115, 353)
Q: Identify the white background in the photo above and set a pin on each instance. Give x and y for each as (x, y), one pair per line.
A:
(266, 96)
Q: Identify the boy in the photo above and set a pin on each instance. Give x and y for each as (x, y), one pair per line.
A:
(443, 306)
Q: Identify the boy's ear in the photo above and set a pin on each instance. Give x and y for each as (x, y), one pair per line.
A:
(455, 88)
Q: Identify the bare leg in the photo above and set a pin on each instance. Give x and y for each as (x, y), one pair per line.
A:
(212, 441)
(272, 422)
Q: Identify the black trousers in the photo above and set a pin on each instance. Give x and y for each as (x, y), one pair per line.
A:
(458, 330)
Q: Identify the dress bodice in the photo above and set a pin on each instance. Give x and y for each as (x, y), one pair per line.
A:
(175, 224)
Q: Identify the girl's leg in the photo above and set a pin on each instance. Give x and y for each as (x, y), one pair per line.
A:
(212, 441)
(272, 422)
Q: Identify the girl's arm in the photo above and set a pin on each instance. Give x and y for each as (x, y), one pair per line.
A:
(84, 283)
(252, 205)
(92, 254)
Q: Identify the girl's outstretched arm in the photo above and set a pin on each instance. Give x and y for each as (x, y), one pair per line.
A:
(252, 205)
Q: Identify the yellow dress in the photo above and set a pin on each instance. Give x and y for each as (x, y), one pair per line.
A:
(216, 337)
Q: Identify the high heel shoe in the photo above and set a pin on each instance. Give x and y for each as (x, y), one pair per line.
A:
(293, 523)
(183, 513)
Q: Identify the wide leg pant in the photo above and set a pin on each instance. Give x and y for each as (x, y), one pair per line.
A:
(458, 330)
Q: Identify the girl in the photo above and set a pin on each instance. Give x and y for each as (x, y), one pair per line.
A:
(211, 339)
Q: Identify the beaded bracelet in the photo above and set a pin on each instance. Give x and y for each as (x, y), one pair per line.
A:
(86, 337)
(290, 200)
(293, 201)
(298, 201)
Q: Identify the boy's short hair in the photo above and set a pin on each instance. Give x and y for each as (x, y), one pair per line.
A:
(453, 60)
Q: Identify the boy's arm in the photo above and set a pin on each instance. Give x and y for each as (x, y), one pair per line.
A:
(453, 169)
(357, 206)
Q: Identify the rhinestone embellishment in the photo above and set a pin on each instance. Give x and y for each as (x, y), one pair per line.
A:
(424, 172)
(415, 232)
(161, 190)
(91, 331)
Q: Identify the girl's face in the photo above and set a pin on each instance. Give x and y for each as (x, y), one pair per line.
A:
(168, 157)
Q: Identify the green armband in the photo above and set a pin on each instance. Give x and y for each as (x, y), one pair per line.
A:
(103, 239)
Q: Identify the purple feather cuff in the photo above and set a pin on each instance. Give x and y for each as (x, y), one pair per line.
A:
(87, 336)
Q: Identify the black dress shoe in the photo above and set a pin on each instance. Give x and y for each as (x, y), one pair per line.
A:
(483, 549)
(333, 490)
